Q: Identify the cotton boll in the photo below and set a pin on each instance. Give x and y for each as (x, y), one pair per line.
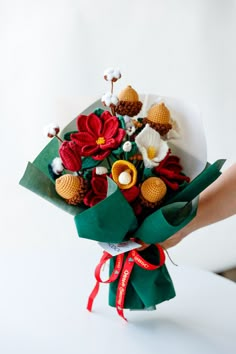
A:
(112, 74)
(108, 99)
(57, 166)
(117, 74)
(51, 130)
(114, 100)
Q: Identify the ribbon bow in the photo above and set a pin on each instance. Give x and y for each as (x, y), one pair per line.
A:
(124, 270)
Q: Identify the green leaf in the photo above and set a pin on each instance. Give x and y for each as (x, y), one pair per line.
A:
(67, 135)
(98, 111)
(89, 162)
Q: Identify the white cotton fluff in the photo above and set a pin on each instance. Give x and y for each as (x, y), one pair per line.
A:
(111, 73)
(101, 170)
(51, 129)
(57, 166)
(108, 99)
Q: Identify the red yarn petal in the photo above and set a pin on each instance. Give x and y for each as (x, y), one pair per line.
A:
(120, 136)
(81, 123)
(109, 144)
(101, 155)
(131, 194)
(94, 125)
(110, 128)
(172, 185)
(99, 185)
(106, 115)
(89, 150)
(70, 154)
(91, 199)
(83, 138)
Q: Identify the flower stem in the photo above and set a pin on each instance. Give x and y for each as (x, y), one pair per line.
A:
(59, 138)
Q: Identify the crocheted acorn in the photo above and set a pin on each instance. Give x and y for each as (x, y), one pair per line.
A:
(153, 190)
(159, 118)
(71, 188)
(124, 174)
(129, 104)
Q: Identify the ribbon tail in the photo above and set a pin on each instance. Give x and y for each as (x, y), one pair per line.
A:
(92, 296)
(120, 312)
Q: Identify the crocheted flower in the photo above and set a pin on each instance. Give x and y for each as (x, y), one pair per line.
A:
(70, 156)
(151, 146)
(98, 136)
(170, 171)
(98, 190)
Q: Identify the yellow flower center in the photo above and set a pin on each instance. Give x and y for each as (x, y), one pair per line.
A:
(151, 152)
(101, 140)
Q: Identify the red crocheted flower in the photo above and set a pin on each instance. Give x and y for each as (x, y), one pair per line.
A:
(98, 136)
(98, 190)
(70, 155)
(170, 171)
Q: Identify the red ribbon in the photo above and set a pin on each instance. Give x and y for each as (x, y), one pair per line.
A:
(124, 271)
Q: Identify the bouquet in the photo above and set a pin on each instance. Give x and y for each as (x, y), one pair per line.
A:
(129, 169)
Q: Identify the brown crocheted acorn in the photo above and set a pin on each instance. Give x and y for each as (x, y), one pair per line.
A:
(153, 190)
(129, 104)
(71, 188)
(159, 118)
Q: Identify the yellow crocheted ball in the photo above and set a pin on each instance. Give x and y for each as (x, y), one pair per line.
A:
(128, 94)
(153, 189)
(159, 113)
(121, 167)
(67, 186)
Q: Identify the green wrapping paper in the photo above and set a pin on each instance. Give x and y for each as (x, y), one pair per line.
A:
(146, 288)
(113, 220)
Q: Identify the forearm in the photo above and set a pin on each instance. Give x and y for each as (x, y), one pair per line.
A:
(216, 203)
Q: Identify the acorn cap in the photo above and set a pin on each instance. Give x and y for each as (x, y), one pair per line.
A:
(68, 186)
(153, 189)
(159, 113)
(128, 94)
(121, 166)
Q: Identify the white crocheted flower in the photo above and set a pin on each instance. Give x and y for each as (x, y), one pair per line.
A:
(151, 146)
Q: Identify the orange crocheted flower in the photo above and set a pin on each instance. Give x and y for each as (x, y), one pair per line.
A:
(98, 136)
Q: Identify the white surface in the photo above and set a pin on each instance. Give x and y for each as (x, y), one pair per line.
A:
(43, 309)
(53, 53)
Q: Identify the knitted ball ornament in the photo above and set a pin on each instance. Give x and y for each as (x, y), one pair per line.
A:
(153, 189)
(129, 103)
(71, 188)
(159, 118)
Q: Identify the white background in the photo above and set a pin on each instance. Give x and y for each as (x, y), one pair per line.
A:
(53, 54)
